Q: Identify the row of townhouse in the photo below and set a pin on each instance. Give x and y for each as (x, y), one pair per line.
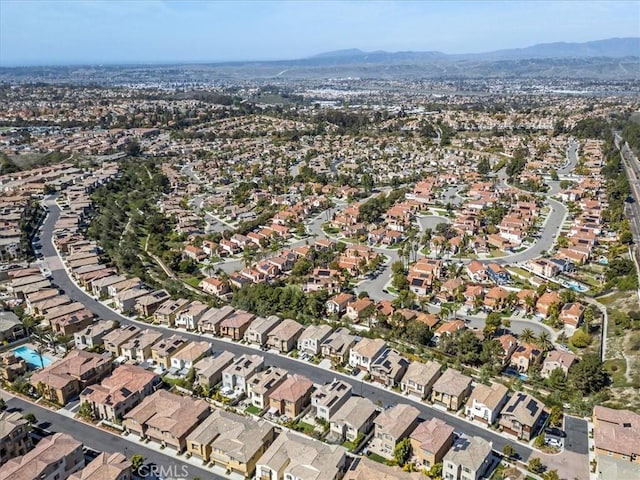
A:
(57, 457)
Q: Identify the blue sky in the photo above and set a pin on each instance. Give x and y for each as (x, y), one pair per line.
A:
(47, 32)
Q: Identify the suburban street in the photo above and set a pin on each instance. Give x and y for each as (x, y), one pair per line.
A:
(313, 372)
(101, 440)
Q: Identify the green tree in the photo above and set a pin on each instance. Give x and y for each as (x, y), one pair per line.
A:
(3, 404)
(588, 375)
(402, 451)
(86, 411)
(551, 475)
(137, 461)
(527, 335)
(555, 417)
(543, 340)
(535, 465)
(31, 418)
(580, 339)
(508, 451)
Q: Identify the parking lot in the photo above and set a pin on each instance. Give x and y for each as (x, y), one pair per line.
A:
(577, 439)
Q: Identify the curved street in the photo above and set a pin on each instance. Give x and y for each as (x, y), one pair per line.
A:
(315, 373)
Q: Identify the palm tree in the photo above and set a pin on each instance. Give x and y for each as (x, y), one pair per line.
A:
(544, 341)
(527, 335)
(530, 303)
(445, 311)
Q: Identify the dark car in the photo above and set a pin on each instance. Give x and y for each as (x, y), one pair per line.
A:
(555, 432)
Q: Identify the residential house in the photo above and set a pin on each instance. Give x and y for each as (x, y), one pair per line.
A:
(419, 378)
(388, 368)
(14, 436)
(486, 402)
(391, 426)
(522, 416)
(545, 302)
(508, 343)
(212, 318)
(11, 328)
(165, 349)
(11, 366)
(54, 458)
(312, 337)
(327, 399)
(338, 304)
(557, 359)
(468, 459)
(231, 441)
(365, 352)
(362, 468)
(430, 441)
(138, 348)
(525, 355)
(257, 333)
(114, 340)
(571, 316)
(476, 271)
(338, 345)
(99, 287)
(451, 389)
(616, 434)
(448, 328)
(284, 336)
(189, 316)
(93, 335)
(106, 466)
(353, 419)
(186, 358)
(236, 324)
(209, 369)
(63, 380)
(291, 396)
(262, 384)
(297, 457)
(236, 375)
(360, 309)
(497, 273)
(166, 313)
(148, 304)
(166, 418)
(214, 286)
(126, 300)
(115, 288)
(119, 392)
(496, 298)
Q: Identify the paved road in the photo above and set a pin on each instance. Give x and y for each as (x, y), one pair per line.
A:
(103, 441)
(572, 158)
(313, 372)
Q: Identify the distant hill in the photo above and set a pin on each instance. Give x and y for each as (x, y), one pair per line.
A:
(611, 59)
(610, 48)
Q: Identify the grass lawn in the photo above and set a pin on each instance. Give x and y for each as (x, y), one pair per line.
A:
(377, 458)
(252, 409)
(616, 368)
(305, 427)
(193, 281)
(520, 271)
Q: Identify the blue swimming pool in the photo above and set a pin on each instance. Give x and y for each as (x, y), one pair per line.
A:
(32, 358)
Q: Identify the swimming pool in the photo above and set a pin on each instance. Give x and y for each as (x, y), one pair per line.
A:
(32, 358)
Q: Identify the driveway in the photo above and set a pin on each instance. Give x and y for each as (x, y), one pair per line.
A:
(577, 439)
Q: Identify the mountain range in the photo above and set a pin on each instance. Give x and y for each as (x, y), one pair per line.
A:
(610, 60)
(610, 48)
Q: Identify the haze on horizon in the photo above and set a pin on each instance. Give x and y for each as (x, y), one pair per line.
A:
(61, 32)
